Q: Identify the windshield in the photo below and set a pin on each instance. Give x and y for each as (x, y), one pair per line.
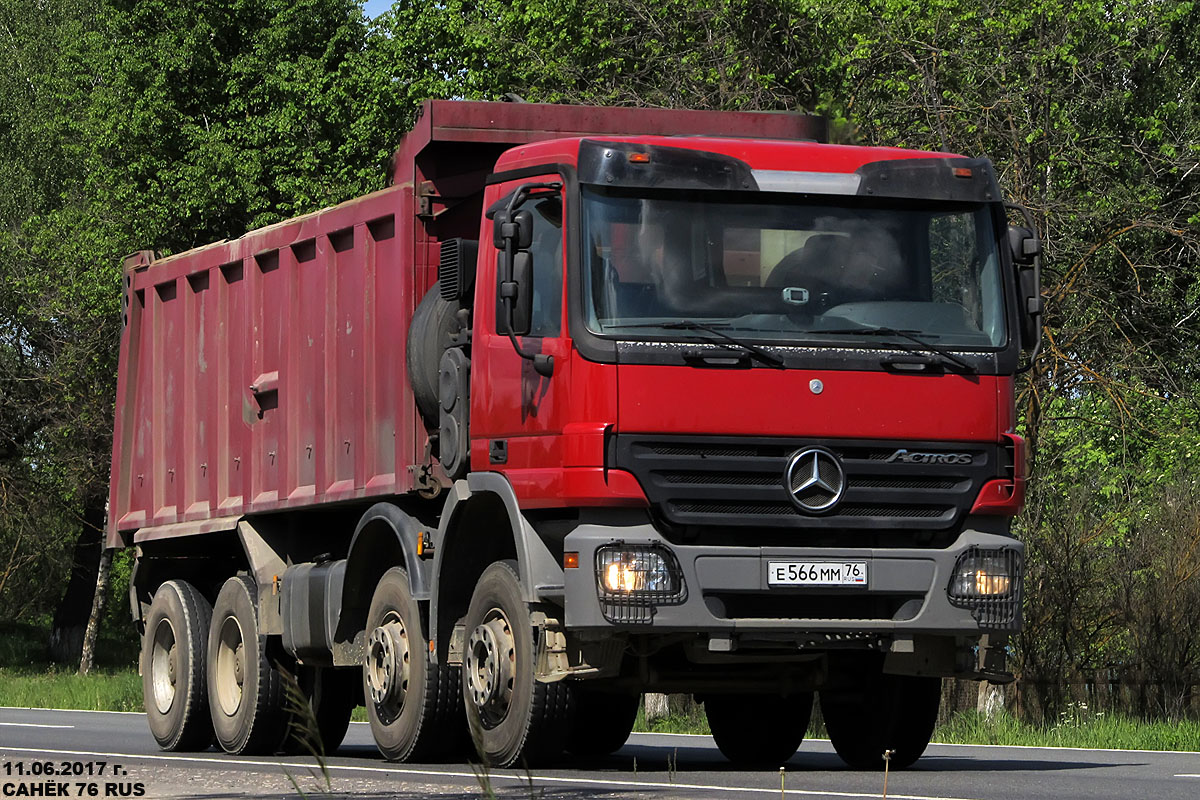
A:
(791, 270)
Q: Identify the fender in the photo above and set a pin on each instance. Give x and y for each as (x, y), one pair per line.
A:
(540, 573)
(385, 537)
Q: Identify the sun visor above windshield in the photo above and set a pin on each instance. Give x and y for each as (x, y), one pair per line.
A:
(627, 164)
(968, 180)
(648, 166)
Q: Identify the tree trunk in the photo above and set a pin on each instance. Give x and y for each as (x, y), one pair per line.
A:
(656, 706)
(93, 626)
(71, 616)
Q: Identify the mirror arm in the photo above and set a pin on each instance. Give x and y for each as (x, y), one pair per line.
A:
(542, 364)
(1037, 282)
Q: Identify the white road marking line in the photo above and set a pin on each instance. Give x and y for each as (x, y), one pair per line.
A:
(522, 779)
(706, 736)
(1187, 775)
(34, 725)
(956, 744)
(68, 710)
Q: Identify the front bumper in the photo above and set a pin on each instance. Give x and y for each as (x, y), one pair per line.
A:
(726, 590)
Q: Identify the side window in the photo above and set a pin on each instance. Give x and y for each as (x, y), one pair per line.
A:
(954, 263)
(547, 254)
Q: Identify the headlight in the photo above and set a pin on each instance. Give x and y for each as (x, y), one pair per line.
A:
(989, 583)
(626, 571)
(984, 573)
(632, 579)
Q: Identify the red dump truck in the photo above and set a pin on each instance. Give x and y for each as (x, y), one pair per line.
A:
(588, 402)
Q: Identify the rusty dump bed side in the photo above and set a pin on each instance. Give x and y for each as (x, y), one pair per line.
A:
(267, 372)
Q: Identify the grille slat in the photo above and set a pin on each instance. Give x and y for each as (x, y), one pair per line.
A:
(739, 481)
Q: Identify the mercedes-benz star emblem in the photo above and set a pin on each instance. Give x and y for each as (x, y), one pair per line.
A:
(815, 480)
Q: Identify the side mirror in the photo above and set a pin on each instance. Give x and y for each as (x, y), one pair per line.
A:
(1026, 250)
(514, 225)
(522, 276)
(512, 234)
(1023, 245)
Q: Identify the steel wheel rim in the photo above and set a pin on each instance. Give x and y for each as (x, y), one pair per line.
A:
(230, 668)
(491, 667)
(389, 666)
(164, 665)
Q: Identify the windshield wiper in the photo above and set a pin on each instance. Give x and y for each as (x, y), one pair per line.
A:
(925, 345)
(715, 329)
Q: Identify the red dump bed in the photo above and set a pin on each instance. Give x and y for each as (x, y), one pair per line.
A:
(268, 372)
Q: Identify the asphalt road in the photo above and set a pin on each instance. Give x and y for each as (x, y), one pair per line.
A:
(649, 766)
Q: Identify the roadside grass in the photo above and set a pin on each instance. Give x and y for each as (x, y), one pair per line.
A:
(28, 679)
(1100, 731)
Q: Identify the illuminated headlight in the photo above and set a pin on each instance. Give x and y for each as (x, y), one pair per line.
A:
(989, 583)
(632, 579)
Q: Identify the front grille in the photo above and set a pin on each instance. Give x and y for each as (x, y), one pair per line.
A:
(740, 481)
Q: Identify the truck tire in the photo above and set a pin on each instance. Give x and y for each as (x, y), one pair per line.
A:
(601, 722)
(511, 715)
(332, 695)
(174, 680)
(413, 704)
(758, 730)
(433, 323)
(245, 684)
(893, 712)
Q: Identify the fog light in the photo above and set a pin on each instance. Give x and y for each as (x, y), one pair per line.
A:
(989, 583)
(632, 579)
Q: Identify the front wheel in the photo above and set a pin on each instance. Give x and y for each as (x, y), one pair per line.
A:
(413, 705)
(512, 716)
(759, 730)
(890, 712)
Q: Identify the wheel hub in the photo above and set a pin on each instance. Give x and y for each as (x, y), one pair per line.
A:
(230, 669)
(491, 666)
(164, 658)
(388, 659)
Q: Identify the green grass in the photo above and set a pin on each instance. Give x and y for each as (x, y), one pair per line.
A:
(1102, 731)
(692, 722)
(100, 690)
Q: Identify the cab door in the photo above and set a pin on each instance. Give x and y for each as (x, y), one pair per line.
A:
(517, 414)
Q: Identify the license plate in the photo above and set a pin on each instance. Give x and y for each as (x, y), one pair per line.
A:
(817, 573)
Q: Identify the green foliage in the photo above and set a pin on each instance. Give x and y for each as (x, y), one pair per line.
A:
(169, 124)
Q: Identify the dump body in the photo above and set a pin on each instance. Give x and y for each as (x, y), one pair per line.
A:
(267, 372)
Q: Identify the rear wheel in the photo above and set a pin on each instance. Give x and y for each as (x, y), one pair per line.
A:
(891, 712)
(174, 654)
(760, 730)
(512, 716)
(601, 722)
(413, 705)
(245, 684)
(331, 696)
